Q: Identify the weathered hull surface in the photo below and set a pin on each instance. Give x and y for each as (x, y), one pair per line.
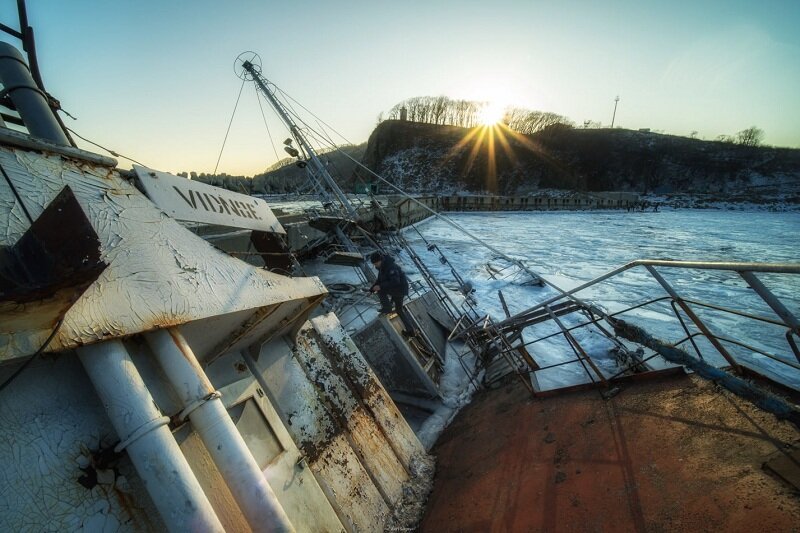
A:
(114, 419)
(671, 454)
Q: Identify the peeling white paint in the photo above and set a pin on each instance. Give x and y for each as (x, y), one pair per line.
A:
(356, 444)
(159, 273)
(366, 437)
(362, 451)
(335, 464)
(50, 419)
(346, 355)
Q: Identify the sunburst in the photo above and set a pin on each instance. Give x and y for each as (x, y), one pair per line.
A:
(491, 114)
(485, 139)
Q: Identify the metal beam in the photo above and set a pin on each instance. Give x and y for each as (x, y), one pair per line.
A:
(694, 318)
(316, 164)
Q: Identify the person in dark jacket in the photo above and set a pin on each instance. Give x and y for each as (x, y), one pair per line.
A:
(391, 287)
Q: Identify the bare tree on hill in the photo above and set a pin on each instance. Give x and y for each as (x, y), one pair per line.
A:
(442, 110)
(751, 136)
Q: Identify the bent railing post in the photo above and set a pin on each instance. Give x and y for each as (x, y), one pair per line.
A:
(771, 300)
(577, 348)
(785, 318)
(693, 317)
(689, 336)
(775, 304)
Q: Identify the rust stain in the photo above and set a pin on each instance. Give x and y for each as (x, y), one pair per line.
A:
(672, 454)
(41, 314)
(241, 331)
(187, 354)
(139, 518)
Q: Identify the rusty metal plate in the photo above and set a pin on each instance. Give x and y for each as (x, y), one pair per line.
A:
(666, 454)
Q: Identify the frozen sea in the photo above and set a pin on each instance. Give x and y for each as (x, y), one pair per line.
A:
(570, 248)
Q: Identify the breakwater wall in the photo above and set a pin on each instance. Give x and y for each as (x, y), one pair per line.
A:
(541, 202)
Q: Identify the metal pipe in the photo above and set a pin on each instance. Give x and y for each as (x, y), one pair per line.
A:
(156, 456)
(788, 318)
(261, 82)
(736, 312)
(28, 99)
(693, 317)
(777, 268)
(223, 441)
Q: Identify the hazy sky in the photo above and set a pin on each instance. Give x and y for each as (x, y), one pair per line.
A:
(154, 80)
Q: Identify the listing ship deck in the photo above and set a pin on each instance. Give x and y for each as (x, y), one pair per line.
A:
(675, 453)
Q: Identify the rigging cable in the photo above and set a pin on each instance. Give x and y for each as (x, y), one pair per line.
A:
(271, 142)
(435, 213)
(229, 125)
(393, 186)
(326, 140)
(446, 219)
(110, 151)
(289, 104)
(42, 348)
(313, 115)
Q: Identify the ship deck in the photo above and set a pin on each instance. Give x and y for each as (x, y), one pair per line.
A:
(674, 453)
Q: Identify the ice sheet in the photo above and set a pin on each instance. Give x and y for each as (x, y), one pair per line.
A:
(569, 248)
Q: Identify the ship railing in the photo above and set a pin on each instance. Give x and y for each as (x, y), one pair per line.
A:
(682, 308)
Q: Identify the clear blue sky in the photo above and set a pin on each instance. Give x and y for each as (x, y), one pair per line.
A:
(154, 79)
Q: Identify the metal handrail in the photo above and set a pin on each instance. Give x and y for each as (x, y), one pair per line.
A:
(746, 270)
(777, 268)
(743, 345)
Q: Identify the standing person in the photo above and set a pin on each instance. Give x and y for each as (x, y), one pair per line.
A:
(391, 287)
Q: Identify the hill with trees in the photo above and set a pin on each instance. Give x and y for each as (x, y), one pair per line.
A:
(436, 144)
(422, 157)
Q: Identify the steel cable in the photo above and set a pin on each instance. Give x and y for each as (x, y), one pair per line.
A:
(229, 126)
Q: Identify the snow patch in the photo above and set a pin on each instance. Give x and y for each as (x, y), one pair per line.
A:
(456, 389)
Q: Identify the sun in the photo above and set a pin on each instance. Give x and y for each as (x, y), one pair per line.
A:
(491, 113)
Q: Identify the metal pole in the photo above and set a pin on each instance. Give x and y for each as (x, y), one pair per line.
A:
(295, 131)
(694, 318)
(28, 99)
(148, 440)
(788, 318)
(614, 116)
(317, 168)
(223, 441)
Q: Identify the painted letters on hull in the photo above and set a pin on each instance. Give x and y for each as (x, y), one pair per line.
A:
(185, 199)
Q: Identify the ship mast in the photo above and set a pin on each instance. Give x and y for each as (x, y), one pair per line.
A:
(317, 171)
(316, 168)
